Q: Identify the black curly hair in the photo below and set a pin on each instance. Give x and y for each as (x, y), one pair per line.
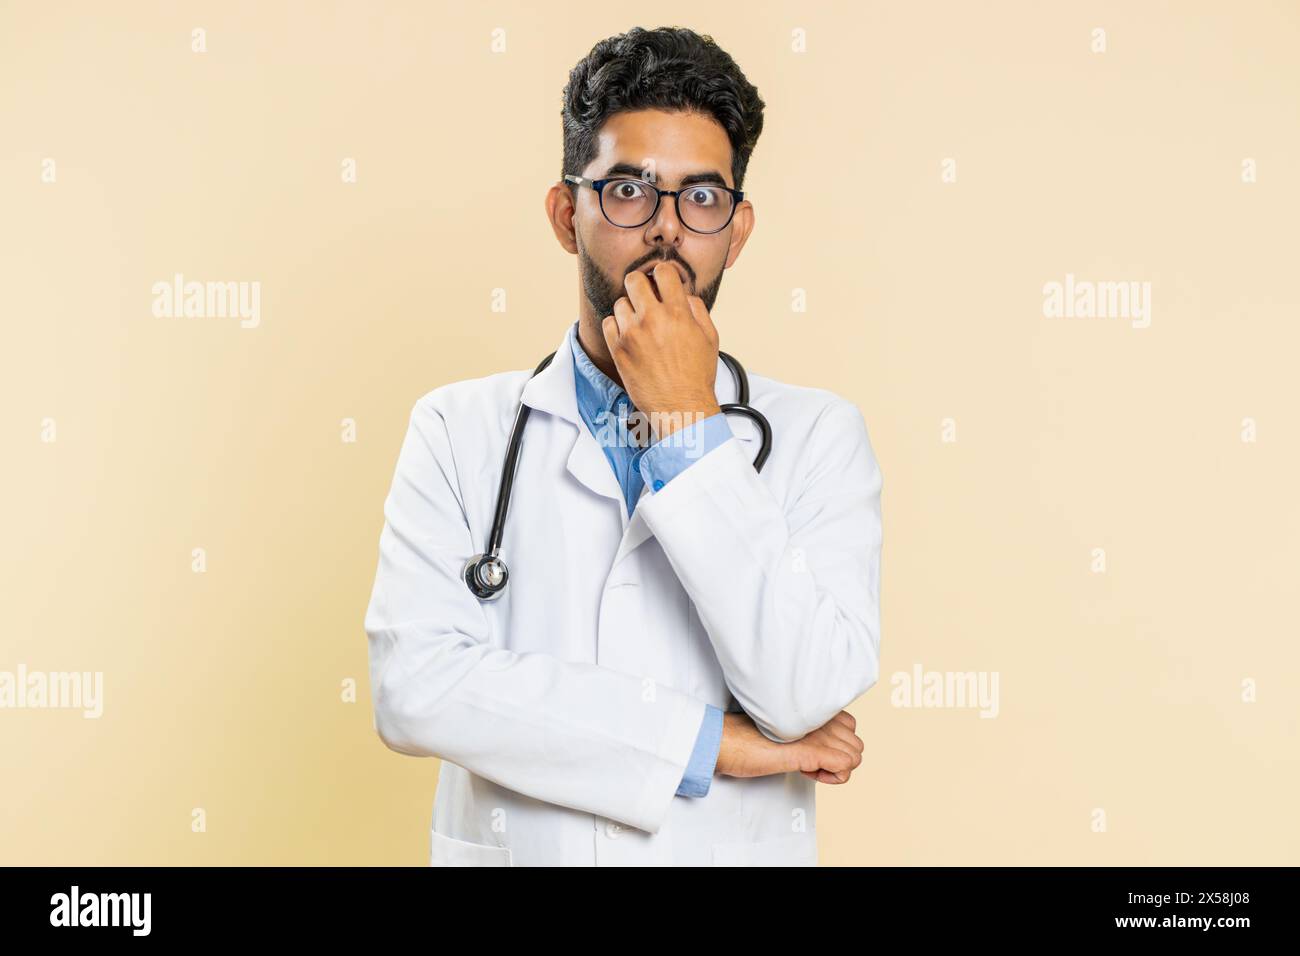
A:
(668, 68)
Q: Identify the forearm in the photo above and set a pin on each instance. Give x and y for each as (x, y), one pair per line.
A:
(568, 733)
(804, 642)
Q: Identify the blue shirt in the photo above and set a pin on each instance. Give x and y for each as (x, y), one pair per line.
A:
(606, 407)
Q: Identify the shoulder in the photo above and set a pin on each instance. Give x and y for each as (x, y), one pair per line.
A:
(823, 433)
(483, 403)
(805, 407)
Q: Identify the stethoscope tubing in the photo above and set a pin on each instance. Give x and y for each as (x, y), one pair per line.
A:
(473, 572)
(508, 472)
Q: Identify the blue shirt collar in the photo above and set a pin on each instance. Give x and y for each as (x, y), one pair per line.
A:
(597, 392)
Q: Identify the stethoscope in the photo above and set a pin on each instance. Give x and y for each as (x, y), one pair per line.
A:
(486, 574)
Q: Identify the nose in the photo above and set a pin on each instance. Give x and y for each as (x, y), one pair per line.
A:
(665, 226)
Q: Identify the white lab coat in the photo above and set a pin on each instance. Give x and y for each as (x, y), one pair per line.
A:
(565, 711)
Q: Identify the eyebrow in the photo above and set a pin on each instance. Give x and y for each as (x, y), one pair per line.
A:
(631, 169)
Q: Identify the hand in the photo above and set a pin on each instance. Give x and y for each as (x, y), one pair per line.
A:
(666, 350)
(828, 754)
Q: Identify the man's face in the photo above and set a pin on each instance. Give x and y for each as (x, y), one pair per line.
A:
(661, 148)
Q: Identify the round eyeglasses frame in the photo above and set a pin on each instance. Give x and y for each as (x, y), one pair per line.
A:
(599, 185)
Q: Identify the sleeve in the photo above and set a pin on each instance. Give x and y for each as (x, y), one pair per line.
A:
(570, 733)
(704, 758)
(790, 598)
(669, 457)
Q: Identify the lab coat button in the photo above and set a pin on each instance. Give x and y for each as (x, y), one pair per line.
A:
(612, 829)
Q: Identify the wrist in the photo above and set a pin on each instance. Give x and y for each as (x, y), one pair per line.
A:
(727, 745)
(666, 421)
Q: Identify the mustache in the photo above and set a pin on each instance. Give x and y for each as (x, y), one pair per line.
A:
(677, 259)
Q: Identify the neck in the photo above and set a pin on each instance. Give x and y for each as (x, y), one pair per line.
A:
(592, 340)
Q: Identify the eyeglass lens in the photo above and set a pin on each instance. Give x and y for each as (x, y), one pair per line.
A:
(630, 202)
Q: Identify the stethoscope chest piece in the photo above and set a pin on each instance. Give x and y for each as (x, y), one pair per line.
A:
(486, 576)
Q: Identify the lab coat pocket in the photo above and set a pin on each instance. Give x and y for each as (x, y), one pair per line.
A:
(797, 849)
(448, 851)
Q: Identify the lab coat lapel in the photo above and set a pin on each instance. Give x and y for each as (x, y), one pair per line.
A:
(553, 390)
(743, 427)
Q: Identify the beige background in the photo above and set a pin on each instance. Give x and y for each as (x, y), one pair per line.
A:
(1119, 690)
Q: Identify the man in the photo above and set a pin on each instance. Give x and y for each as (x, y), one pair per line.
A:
(663, 681)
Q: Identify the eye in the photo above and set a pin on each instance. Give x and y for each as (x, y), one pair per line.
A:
(626, 190)
(702, 196)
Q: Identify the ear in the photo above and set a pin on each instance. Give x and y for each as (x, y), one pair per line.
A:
(742, 224)
(560, 211)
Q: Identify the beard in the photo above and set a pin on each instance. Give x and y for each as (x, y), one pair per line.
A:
(602, 292)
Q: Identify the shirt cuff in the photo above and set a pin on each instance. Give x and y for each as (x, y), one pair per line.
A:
(669, 457)
(704, 759)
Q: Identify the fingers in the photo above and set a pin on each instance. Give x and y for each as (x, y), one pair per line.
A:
(704, 321)
(835, 770)
(839, 759)
(671, 290)
(609, 326)
(834, 749)
(639, 291)
(839, 752)
(633, 308)
(826, 776)
(826, 762)
(616, 325)
(624, 314)
(627, 309)
(841, 736)
(839, 732)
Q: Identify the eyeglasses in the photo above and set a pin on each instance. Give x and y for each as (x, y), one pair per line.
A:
(629, 203)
